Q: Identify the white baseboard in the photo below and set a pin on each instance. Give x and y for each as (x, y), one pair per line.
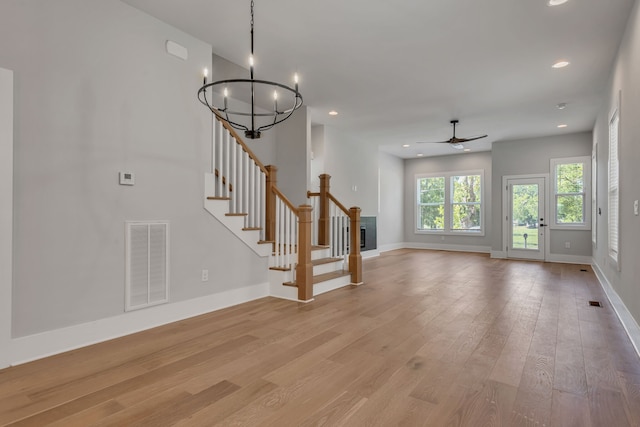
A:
(628, 322)
(445, 247)
(499, 254)
(570, 259)
(391, 247)
(370, 254)
(32, 347)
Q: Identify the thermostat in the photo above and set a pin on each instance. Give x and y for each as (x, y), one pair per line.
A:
(127, 178)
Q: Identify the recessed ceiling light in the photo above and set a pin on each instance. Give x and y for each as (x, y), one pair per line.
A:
(466, 150)
(419, 154)
(333, 113)
(560, 64)
(557, 2)
(562, 106)
(562, 126)
(406, 145)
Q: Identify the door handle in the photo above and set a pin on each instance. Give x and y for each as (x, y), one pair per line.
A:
(543, 225)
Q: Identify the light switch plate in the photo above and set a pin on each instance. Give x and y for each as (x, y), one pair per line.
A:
(635, 208)
(127, 178)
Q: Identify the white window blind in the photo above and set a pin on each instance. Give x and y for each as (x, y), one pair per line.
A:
(614, 190)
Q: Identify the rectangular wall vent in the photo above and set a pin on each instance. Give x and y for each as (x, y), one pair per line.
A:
(147, 264)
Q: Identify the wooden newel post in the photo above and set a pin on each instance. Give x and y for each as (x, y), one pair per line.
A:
(355, 259)
(324, 219)
(270, 204)
(304, 269)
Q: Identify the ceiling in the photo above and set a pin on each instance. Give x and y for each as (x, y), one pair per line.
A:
(398, 72)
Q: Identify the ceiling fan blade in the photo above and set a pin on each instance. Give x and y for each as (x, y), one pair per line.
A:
(434, 142)
(471, 139)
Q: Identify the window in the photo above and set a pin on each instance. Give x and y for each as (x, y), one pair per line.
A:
(465, 207)
(431, 203)
(614, 190)
(449, 203)
(571, 205)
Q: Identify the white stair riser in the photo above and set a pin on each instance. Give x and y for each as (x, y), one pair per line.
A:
(330, 285)
(328, 267)
(320, 253)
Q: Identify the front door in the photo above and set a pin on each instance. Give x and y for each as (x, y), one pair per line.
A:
(526, 218)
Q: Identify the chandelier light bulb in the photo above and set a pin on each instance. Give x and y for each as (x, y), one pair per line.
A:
(206, 74)
(226, 92)
(275, 95)
(251, 60)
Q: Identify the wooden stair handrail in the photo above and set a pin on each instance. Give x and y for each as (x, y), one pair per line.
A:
(244, 146)
(339, 205)
(286, 201)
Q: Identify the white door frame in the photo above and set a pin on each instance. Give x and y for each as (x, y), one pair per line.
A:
(505, 210)
(6, 212)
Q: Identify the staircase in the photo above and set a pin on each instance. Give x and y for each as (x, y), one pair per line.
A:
(309, 246)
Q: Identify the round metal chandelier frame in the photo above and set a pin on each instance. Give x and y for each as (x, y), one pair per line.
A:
(223, 112)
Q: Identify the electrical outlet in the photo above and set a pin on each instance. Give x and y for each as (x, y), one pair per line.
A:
(567, 245)
(635, 207)
(205, 275)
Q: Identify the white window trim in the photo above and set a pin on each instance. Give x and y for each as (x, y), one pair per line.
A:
(614, 256)
(448, 185)
(586, 193)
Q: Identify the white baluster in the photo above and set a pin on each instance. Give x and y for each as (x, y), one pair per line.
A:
(278, 240)
(285, 248)
(221, 128)
(214, 134)
(245, 185)
(252, 193)
(225, 172)
(263, 186)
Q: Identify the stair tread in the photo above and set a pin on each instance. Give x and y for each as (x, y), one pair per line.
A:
(218, 198)
(236, 214)
(251, 228)
(324, 277)
(319, 247)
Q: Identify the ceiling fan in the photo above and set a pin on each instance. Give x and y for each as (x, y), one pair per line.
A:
(454, 141)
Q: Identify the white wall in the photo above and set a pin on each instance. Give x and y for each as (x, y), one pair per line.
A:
(95, 94)
(453, 163)
(6, 209)
(624, 79)
(391, 202)
(532, 156)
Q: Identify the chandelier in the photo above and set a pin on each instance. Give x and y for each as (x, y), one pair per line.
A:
(284, 100)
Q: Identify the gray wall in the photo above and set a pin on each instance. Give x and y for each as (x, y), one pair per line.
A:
(391, 203)
(532, 156)
(453, 163)
(95, 93)
(6, 209)
(293, 156)
(624, 78)
(352, 164)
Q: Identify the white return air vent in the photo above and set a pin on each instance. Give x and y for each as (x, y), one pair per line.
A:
(147, 264)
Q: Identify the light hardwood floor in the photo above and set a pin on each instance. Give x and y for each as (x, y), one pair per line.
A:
(432, 338)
